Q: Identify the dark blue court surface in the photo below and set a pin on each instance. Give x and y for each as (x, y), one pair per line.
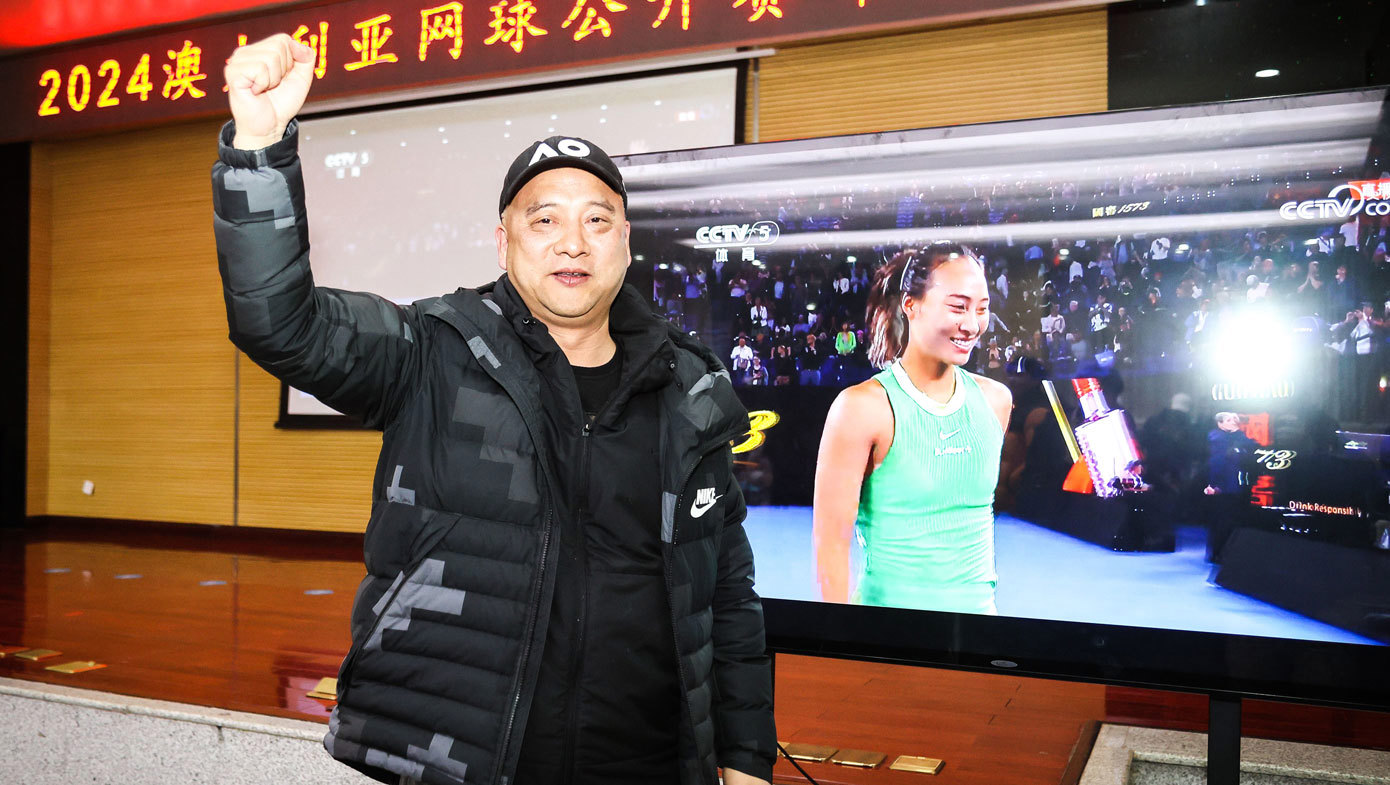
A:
(1047, 575)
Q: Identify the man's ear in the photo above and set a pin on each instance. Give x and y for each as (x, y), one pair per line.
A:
(500, 233)
(627, 242)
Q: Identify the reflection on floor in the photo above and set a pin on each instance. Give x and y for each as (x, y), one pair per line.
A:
(1047, 575)
(207, 616)
(243, 631)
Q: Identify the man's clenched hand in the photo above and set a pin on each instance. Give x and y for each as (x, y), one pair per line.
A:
(267, 83)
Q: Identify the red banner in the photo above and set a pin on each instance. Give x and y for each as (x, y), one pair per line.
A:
(1373, 189)
(367, 46)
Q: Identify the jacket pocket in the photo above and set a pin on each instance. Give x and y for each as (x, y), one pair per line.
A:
(390, 609)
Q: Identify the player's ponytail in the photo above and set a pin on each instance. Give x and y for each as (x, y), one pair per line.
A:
(884, 313)
(906, 274)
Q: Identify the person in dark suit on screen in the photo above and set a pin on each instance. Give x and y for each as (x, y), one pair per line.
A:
(1230, 454)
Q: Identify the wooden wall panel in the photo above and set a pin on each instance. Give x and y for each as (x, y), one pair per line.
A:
(292, 479)
(40, 260)
(995, 70)
(140, 373)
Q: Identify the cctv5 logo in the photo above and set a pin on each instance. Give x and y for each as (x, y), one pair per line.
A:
(760, 233)
(1332, 207)
(340, 160)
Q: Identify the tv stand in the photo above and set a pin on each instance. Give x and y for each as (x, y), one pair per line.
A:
(1223, 739)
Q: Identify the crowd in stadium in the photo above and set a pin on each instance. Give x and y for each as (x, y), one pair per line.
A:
(1151, 302)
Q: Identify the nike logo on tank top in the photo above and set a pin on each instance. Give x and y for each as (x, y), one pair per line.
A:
(926, 514)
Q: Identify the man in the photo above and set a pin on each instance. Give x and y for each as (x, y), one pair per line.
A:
(1101, 316)
(757, 375)
(1054, 326)
(559, 586)
(1125, 297)
(1355, 341)
(1075, 319)
(1158, 250)
(741, 357)
(1196, 322)
(1230, 456)
(1156, 325)
(808, 359)
(1286, 285)
(1343, 294)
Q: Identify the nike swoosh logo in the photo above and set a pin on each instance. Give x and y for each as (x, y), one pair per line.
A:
(944, 435)
(697, 509)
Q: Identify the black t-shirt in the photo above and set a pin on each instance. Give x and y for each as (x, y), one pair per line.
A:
(597, 385)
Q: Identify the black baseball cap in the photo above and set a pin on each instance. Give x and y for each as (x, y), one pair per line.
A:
(560, 152)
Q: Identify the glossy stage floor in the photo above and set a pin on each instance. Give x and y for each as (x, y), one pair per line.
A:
(250, 620)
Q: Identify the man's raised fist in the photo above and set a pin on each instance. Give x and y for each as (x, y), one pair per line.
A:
(267, 83)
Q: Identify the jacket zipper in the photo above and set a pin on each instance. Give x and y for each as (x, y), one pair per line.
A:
(525, 650)
(567, 761)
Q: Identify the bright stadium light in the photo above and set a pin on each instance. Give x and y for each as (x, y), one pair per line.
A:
(1266, 73)
(1253, 346)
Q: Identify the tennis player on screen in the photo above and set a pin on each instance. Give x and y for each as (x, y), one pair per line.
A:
(909, 459)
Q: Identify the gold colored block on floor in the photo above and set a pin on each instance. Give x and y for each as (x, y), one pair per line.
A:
(816, 753)
(866, 759)
(917, 764)
(36, 654)
(326, 689)
(80, 666)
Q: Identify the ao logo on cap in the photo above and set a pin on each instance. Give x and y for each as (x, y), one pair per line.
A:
(572, 147)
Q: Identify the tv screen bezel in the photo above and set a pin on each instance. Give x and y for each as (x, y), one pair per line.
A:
(1336, 674)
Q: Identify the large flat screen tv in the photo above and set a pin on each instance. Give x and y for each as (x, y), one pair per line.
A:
(1189, 306)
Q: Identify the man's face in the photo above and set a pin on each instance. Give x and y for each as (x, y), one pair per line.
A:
(564, 244)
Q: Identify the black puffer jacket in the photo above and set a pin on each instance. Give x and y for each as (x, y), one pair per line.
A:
(449, 623)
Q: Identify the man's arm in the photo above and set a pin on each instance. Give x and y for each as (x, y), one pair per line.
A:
(358, 353)
(745, 734)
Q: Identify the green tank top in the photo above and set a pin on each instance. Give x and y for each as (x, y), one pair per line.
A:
(926, 514)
